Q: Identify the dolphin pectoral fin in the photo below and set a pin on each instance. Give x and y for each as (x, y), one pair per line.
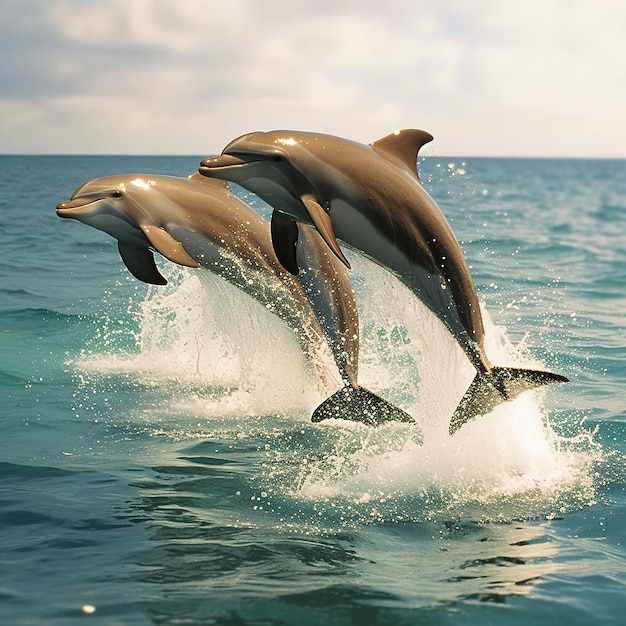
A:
(284, 231)
(321, 220)
(140, 263)
(501, 384)
(358, 404)
(166, 245)
(403, 147)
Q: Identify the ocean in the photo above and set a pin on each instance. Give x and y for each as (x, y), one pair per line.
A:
(158, 464)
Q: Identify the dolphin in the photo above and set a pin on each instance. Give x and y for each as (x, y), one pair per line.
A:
(198, 222)
(370, 197)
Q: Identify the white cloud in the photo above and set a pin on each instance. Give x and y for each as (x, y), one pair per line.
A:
(185, 77)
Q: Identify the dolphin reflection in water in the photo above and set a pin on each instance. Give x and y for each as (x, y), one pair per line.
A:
(370, 197)
(199, 222)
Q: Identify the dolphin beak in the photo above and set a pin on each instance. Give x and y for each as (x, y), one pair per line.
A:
(207, 166)
(71, 208)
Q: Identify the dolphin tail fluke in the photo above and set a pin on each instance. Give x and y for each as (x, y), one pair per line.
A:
(358, 404)
(488, 389)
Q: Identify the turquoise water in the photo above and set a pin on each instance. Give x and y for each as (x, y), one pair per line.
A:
(158, 465)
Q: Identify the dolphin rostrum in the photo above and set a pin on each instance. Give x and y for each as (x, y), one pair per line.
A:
(198, 222)
(370, 197)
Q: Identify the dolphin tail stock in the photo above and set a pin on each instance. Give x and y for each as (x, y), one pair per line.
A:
(488, 389)
(357, 404)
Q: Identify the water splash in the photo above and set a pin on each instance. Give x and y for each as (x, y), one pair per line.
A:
(504, 465)
(217, 350)
(218, 358)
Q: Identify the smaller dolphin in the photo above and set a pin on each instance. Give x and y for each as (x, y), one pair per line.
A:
(370, 197)
(198, 222)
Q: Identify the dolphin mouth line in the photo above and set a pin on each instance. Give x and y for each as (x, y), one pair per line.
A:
(85, 207)
(72, 208)
(223, 161)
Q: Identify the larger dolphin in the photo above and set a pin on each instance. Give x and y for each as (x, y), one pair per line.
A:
(370, 197)
(198, 222)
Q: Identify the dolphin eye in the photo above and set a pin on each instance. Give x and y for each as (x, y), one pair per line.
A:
(277, 158)
(117, 193)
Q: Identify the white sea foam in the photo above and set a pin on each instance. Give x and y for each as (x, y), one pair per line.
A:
(219, 354)
(508, 453)
(201, 333)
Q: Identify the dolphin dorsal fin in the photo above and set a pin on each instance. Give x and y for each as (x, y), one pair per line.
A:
(402, 147)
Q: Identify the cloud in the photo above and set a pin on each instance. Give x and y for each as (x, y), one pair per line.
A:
(534, 77)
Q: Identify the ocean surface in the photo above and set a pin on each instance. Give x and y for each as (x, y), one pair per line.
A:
(158, 464)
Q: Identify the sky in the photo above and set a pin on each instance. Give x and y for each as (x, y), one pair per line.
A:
(485, 77)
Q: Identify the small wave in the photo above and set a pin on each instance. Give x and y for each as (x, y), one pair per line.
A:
(10, 379)
(34, 315)
(15, 292)
(16, 471)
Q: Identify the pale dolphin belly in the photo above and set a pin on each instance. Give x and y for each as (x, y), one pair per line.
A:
(250, 270)
(364, 237)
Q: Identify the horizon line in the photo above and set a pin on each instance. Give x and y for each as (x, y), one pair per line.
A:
(206, 155)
